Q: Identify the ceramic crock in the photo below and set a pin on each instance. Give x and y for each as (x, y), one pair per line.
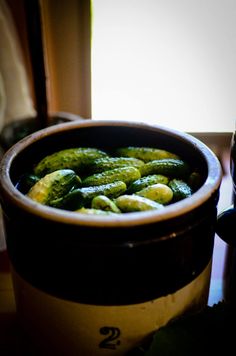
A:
(101, 285)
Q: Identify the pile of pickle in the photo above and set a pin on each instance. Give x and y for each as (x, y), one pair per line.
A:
(91, 181)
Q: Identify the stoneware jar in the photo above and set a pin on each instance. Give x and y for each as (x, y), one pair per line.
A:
(102, 285)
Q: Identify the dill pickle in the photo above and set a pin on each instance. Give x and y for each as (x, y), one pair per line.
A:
(108, 163)
(145, 181)
(71, 158)
(146, 154)
(53, 186)
(160, 193)
(91, 211)
(102, 202)
(82, 197)
(133, 203)
(195, 181)
(181, 189)
(124, 174)
(92, 181)
(169, 167)
(26, 181)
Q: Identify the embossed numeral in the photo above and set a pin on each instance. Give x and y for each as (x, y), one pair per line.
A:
(110, 342)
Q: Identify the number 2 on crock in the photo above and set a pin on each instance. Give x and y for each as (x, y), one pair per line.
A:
(112, 339)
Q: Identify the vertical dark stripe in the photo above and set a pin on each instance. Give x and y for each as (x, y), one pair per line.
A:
(34, 32)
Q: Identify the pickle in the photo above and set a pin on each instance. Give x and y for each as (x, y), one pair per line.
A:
(133, 203)
(108, 163)
(71, 158)
(195, 181)
(102, 202)
(124, 174)
(53, 186)
(82, 197)
(91, 211)
(145, 181)
(160, 193)
(26, 181)
(92, 181)
(181, 189)
(170, 167)
(146, 154)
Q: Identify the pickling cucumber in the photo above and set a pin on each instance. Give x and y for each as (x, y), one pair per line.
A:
(91, 211)
(53, 186)
(102, 202)
(82, 197)
(137, 179)
(195, 181)
(144, 182)
(124, 174)
(146, 154)
(108, 163)
(169, 167)
(159, 192)
(181, 189)
(132, 203)
(71, 158)
(26, 181)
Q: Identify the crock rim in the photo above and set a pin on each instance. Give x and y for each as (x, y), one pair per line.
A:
(178, 209)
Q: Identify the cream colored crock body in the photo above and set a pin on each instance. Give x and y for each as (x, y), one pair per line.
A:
(62, 327)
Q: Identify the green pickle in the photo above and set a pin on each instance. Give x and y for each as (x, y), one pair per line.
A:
(71, 158)
(195, 181)
(134, 203)
(80, 197)
(26, 181)
(108, 163)
(53, 186)
(124, 174)
(102, 202)
(181, 189)
(146, 154)
(160, 193)
(91, 211)
(170, 167)
(144, 182)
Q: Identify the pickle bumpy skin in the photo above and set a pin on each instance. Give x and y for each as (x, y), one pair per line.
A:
(132, 203)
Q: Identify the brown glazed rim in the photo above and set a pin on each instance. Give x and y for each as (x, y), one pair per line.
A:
(174, 210)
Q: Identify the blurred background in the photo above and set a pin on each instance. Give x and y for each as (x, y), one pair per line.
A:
(161, 61)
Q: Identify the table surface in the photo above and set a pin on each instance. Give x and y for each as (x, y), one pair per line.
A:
(9, 333)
